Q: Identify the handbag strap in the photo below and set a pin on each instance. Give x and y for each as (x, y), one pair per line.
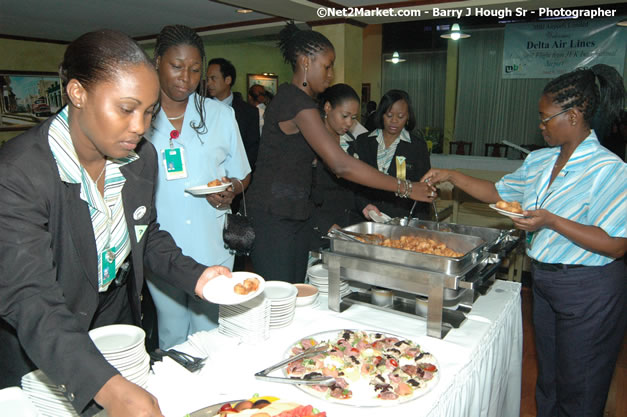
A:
(243, 195)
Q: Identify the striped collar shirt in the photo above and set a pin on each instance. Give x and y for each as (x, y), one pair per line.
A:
(386, 154)
(590, 189)
(107, 213)
(345, 141)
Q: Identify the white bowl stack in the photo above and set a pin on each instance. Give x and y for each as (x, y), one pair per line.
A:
(249, 321)
(122, 345)
(48, 398)
(282, 296)
(318, 276)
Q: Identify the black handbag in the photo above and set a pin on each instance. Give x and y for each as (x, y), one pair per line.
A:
(238, 233)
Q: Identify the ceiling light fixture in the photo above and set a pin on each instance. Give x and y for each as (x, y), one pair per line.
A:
(455, 33)
(396, 58)
(622, 22)
(244, 11)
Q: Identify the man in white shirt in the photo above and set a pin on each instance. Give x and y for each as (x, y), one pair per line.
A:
(220, 79)
(257, 98)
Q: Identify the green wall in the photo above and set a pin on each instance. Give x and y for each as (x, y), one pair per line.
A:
(248, 58)
(256, 57)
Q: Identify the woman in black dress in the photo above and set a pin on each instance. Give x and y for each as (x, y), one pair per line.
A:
(293, 135)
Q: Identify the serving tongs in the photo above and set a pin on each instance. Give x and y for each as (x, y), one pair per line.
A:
(357, 237)
(189, 362)
(312, 351)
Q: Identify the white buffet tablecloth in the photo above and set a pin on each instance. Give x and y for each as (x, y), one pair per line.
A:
(479, 163)
(480, 363)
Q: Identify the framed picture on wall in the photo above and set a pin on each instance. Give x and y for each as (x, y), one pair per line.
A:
(28, 97)
(365, 93)
(269, 81)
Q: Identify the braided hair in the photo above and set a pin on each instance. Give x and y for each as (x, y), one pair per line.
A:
(175, 35)
(579, 89)
(294, 42)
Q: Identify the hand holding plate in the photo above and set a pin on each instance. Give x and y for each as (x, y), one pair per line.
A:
(209, 274)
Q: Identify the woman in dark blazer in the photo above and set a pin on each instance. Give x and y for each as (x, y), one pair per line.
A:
(78, 227)
(393, 150)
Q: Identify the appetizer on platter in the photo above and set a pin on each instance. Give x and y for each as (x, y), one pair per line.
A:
(371, 368)
(268, 407)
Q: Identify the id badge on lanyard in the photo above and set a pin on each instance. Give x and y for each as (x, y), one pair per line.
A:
(108, 266)
(174, 163)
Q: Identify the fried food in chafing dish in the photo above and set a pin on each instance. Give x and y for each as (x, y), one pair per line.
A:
(422, 245)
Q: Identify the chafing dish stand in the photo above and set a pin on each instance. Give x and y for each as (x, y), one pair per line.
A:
(444, 288)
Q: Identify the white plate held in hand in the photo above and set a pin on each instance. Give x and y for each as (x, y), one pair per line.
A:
(379, 218)
(221, 289)
(506, 213)
(203, 189)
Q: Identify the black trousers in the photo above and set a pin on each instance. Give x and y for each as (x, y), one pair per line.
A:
(281, 247)
(113, 308)
(579, 317)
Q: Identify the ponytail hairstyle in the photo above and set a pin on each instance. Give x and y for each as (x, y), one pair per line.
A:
(336, 95)
(294, 42)
(579, 89)
(100, 56)
(175, 35)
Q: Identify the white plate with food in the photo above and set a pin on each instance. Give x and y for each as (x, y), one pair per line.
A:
(241, 287)
(210, 188)
(271, 406)
(506, 212)
(371, 368)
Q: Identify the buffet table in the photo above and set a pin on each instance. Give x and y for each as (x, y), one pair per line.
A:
(479, 163)
(479, 363)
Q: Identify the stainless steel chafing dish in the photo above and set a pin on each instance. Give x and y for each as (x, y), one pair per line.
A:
(454, 283)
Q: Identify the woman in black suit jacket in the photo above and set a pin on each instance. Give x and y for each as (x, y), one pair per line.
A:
(393, 150)
(62, 268)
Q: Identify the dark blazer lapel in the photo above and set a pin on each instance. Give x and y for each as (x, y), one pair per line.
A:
(373, 147)
(137, 199)
(82, 232)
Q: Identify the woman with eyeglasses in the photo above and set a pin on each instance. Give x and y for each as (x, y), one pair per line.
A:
(574, 199)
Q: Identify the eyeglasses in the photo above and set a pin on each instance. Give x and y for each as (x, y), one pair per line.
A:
(548, 119)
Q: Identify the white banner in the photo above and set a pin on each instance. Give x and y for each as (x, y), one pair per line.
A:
(547, 49)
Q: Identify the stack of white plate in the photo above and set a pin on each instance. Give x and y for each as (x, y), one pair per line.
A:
(48, 398)
(123, 346)
(250, 321)
(282, 296)
(318, 276)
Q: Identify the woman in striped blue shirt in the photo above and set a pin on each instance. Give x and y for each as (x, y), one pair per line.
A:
(574, 200)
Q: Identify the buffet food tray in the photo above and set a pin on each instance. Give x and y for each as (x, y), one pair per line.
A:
(471, 246)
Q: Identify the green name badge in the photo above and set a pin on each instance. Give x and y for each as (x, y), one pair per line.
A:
(174, 163)
(108, 266)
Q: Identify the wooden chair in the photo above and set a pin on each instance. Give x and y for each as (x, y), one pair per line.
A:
(532, 147)
(460, 148)
(496, 150)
